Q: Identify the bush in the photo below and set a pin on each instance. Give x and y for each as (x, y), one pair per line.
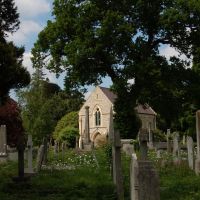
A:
(159, 136)
(69, 120)
(68, 135)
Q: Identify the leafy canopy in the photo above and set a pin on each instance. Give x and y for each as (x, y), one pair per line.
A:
(12, 73)
(121, 39)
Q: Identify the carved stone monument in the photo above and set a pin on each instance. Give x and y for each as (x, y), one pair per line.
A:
(117, 166)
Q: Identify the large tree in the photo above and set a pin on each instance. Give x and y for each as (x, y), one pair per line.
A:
(43, 104)
(12, 73)
(121, 39)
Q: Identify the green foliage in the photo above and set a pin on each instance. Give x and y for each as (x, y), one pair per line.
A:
(12, 73)
(179, 183)
(86, 182)
(43, 104)
(68, 135)
(70, 120)
(159, 136)
(10, 116)
(121, 40)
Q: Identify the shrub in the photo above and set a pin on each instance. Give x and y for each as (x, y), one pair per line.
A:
(68, 135)
(70, 119)
(159, 136)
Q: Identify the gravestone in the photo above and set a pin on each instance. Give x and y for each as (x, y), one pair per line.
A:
(150, 143)
(117, 166)
(143, 176)
(3, 144)
(158, 153)
(176, 148)
(197, 161)
(40, 157)
(3, 140)
(143, 139)
(29, 170)
(169, 147)
(190, 149)
(184, 140)
(56, 148)
(134, 181)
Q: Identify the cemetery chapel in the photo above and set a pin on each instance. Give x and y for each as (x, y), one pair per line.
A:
(98, 106)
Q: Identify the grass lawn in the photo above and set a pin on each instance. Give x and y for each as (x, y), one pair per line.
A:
(179, 183)
(91, 180)
(86, 182)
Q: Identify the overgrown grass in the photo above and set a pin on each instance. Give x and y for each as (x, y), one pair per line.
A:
(91, 181)
(179, 183)
(84, 182)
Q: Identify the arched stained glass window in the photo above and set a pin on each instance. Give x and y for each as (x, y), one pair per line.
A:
(97, 117)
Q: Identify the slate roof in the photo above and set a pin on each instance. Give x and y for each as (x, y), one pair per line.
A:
(141, 109)
(110, 95)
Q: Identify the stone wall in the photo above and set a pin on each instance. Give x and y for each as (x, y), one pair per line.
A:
(96, 100)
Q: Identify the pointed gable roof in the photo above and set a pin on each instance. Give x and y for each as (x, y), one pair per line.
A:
(141, 109)
(145, 109)
(109, 94)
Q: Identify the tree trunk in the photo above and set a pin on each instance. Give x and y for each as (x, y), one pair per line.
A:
(20, 149)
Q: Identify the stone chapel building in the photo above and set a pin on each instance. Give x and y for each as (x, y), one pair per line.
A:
(98, 107)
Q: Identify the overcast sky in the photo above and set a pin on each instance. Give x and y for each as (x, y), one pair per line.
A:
(33, 17)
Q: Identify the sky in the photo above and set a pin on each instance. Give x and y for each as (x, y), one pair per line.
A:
(33, 17)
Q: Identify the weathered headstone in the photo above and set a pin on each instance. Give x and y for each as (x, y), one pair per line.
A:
(144, 177)
(184, 140)
(176, 148)
(40, 157)
(143, 139)
(117, 166)
(3, 144)
(3, 141)
(56, 148)
(30, 155)
(158, 153)
(134, 182)
(149, 187)
(197, 161)
(150, 143)
(190, 149)
(168, 141)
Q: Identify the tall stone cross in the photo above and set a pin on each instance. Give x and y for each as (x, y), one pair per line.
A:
(117, 166)
(30, 154)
